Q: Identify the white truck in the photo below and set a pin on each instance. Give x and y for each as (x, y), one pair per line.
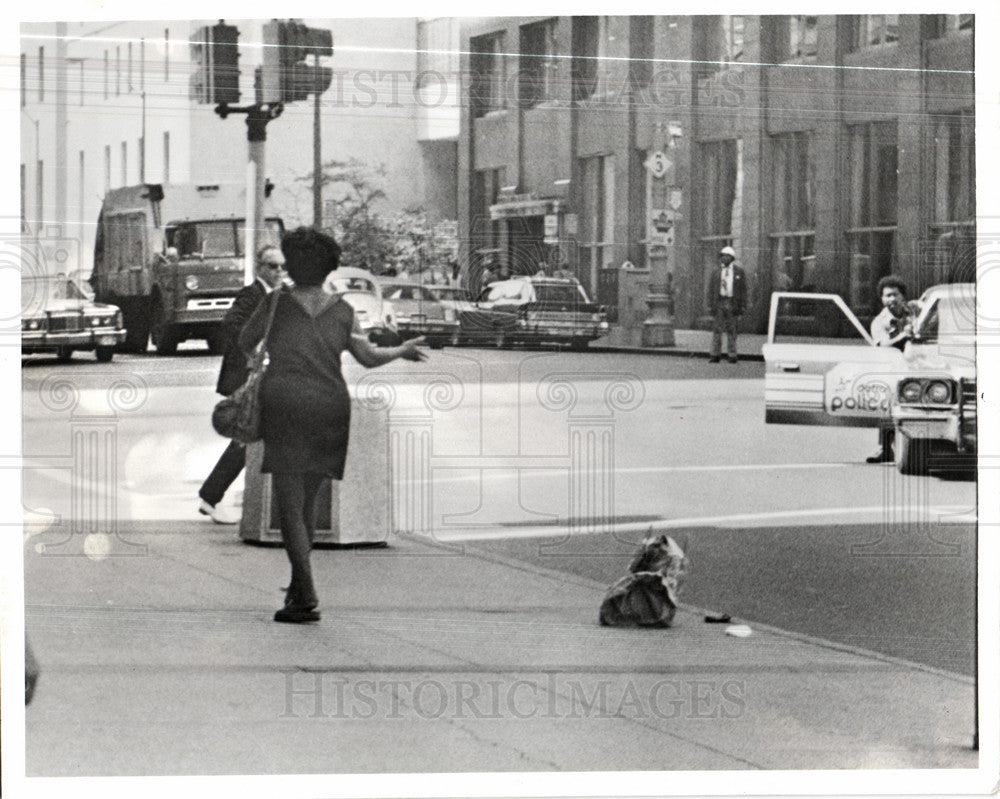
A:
(172, 258)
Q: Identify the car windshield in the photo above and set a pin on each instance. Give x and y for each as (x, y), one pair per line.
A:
(351, 284)
(55, 287)
(448, 293)
(559, 293)
(948, 317)
(406, 293)
(220, 238)
(504, 291)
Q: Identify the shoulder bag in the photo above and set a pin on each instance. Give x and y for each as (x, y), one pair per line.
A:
(238, 415)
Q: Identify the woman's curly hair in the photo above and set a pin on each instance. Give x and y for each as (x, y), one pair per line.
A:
(309, 255)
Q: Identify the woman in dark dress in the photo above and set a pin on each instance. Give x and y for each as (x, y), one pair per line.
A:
(305, 405)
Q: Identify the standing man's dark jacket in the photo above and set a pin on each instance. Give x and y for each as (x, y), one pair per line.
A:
(234, 370)
(739, 290)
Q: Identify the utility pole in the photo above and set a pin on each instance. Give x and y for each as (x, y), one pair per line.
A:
(317, 153)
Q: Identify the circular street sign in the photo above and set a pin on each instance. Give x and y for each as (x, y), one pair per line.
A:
(658, 164)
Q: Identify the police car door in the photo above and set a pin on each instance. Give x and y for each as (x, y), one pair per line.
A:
(822, 367)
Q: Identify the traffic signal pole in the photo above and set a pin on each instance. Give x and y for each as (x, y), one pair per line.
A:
(317, 155)
(258, 115)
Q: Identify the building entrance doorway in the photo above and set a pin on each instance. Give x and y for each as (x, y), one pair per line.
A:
(526, 247)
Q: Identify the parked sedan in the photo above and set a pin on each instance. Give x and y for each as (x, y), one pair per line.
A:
(540, 310)
(60, 316)
(420, 313)
(362, 291)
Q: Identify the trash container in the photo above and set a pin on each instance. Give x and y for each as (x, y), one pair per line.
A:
(353, 512)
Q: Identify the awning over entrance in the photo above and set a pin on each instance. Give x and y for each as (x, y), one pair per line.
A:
(523, 206)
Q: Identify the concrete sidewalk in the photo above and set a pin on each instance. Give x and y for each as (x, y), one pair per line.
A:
(688, 343)
(431, 659)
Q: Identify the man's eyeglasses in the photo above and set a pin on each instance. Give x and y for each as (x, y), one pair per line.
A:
(268, 265)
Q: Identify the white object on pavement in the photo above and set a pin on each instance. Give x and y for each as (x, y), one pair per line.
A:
(739, 631)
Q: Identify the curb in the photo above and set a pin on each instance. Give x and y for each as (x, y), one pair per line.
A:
(756, 357)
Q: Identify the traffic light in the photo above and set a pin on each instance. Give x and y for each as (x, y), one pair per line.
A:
(286, 76)
(225, 64)
(215, 53)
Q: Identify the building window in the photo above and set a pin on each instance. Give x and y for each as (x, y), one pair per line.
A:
(24, 80)
(641, 50)
(24, 219)
(41, 74)
(40, 197)
(124, 175)
(107, 69)
(118, 70)
(107, 168)
(81, 182)
(590, 49)
(954, 227)
(537, 62)
(952, 23)
(871, 236)
(955, 168)
(802, 36)
(83, 81)
(598, 217)
(486, 63)
(875, 29)
(128, 72)
(166, 54)
(166, 156)
(437, 51)
(793, 256)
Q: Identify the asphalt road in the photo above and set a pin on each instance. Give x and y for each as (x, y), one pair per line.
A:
(784, 526)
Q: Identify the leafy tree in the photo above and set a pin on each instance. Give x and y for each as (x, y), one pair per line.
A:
(370, 238)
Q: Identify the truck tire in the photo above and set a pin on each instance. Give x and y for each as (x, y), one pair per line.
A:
(164, 337)
(63, 354)
(105, 354)
(911, 454)
(136, 321)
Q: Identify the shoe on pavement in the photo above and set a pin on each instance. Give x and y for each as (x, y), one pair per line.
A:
(879, 456)
(217, 514)
(293, 615)
(714, 359)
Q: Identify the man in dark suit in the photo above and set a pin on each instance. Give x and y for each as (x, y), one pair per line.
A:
(233, 374)
(727, 299)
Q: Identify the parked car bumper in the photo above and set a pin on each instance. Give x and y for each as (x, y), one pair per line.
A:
(84, 339)
(560, 331)
(937, 426)
(438, 329)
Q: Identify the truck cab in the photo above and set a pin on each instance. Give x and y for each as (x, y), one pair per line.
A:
(172, 258)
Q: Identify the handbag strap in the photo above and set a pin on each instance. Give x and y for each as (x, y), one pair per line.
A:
(259, 356)
(273, 299)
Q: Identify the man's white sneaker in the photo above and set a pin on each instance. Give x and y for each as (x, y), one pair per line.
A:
(217, 514)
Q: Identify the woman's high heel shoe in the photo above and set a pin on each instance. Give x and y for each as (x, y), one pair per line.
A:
(296, 615)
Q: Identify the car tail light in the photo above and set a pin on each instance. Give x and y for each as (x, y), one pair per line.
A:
(910, 391)
(938, 392)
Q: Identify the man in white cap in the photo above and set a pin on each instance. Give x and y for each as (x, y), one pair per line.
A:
(727, 296)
